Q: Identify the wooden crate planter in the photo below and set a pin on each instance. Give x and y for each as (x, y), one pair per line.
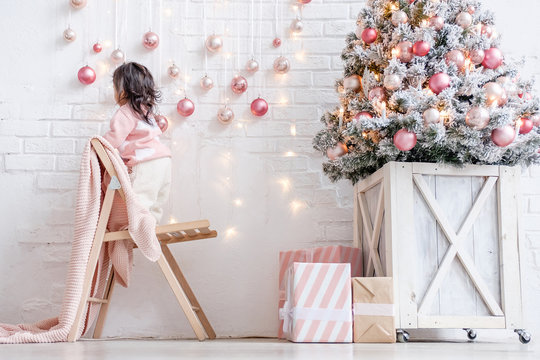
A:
(449, 238)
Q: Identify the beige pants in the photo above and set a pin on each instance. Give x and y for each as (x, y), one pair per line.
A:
(151, 181)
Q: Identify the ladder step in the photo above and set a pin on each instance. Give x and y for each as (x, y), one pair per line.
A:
(96, 300)
(196, 308)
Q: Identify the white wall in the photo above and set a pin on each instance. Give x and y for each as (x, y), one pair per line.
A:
(46, 117)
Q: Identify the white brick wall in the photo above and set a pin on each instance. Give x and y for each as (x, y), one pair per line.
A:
(46, 117)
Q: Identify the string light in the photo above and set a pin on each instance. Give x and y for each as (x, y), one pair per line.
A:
(297, 205)
(285, 184)
(230, 232)
(293, 129)
(238, 202)
(290, 154)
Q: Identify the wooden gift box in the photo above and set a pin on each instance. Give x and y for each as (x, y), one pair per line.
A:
(449, 238)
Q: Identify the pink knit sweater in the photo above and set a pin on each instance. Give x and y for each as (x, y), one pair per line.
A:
(135, 139)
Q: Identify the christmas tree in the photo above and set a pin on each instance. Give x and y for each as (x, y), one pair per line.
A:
(425, 81)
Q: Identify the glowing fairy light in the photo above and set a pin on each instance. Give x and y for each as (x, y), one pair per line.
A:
(238, 202)
(293, 129)
(172, 220)
(297, 205)
(290, 154)
(168, 12)
(107, 43)
(230, 232)
(285, 184)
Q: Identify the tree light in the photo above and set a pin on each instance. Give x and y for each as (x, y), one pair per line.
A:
(285, 184)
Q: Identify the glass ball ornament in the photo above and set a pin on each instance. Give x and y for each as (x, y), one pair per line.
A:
(525, 126)
(477, 118)
(239, 84)
(535, 119)
(304, 1)
(353, 82)
(494, 92)
(206, 83)
(464, 19)
(439, 82)
(337, 151)
(457, 58)
(173, 71)
(259, 107)
(392, 82)
(150, 40)
(77, 4)
(276, 42)
(69, 35)
(358, 31)
(421, 48)
(252, 66)
(86, 75)
(282, 65)
(436, 22)
(185, 107)
(118, 56)
(431, 116)
(508, 85)
(377, 93)
(404, 51)
(487, 30)
(214, 43)
(503, 136)
(369, 35)
(97, 48)
(362, 114)
(493, 58)
(399, 17)
(504, 99)
(405, 140)
(225, 115)
(297, 26)
(162, 122)
(477, 56)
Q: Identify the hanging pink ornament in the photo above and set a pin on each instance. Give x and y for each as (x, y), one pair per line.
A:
(214, 43)
(207, 83)
(77, 4)
(276, 42)
(150, 40)
(239, 84)
(97, 48)
(405, 140)
(439, 82)
(399, 17)
(504, 99)
(173, 71)
(185, 107)
(369, 35)
(494, 92)
(337, 151)
(526, 125)
(493, 58)
(487, 30)
(377, 93)
(503, 136)
(252, 66)
(436, 22)
(86, 75)
(304, 1)
(362, 114)
(477, 56)
(259, 107)
(464, 19)
(281, 65)
(162, 122)
(297, 26)
(404, 51)
(225, 115)
(421, 48)
(477, 118)
(471, 9)
(118, 56)
(69, 35)
(457, 58)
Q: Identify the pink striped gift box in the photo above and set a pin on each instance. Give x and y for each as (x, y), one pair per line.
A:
(326, 254)
(318, 304)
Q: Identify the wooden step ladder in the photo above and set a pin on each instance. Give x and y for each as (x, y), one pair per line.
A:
(166, 234)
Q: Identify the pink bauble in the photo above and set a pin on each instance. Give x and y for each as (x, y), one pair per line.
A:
(436, 22)
(185, 107)
(504, 99)
(493, 58)
(304, 1)
(369, 35)
(421, 48)
(259, 107)
(526, 126)
(337, 151)
(77, 4)
(86, 75)
(477, 56)
(487, 30)
(503, 136)
(404, 140)
(239, 84)
(162, 122)
(377, 93)
(97, 48)
(225, 115)
(439, 82)
(150, 40)
(276, 42)
(457, 58)
(363, 114)
(525, 96)
(405, 51)
(214, 43)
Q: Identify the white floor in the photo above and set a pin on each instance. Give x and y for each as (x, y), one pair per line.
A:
(264, 349)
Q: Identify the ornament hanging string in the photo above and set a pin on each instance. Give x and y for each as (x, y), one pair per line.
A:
(150, 12)
(205, 31)
(160, 58)
(116, 24)
(237, 29)
(280, 24)
(260, 44)
(184, 18)
(276, 19)
(253, 29)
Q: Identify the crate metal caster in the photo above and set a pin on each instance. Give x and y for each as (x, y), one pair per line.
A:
(402, 336)
(471, 334)
(524, 336)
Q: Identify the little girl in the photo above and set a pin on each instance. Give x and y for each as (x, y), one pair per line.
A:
(135, 133)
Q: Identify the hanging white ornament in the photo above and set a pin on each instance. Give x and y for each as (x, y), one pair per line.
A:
(173, 71)
(69, 35)
(118, 56)
(399, 17)
(77, 4)
(225, 115)
(282, 65)
(297, 25)
(392, 82)
(207, 83)
(431, 116)
(214, 43)
(464, 19)
(252, 65)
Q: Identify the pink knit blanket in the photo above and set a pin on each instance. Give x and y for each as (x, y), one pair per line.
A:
(141, 226)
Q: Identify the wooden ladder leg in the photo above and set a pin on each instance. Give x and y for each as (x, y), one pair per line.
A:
(92, 262)
(182, 298)
(100, 322)
(187, 289)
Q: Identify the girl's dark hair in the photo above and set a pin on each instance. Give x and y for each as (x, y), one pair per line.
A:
(134, 83)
